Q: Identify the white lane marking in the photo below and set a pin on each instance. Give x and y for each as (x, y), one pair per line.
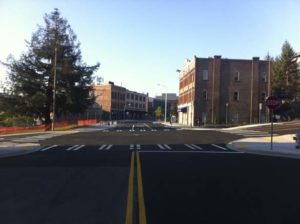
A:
(153, 130)
(220, 147)
(160, 146)
(138, 147)
(208, 152)
(79, 147)
(72, 147)
(102, 147)
(131, 147)
(196, 146)
(168, 147)
(109, 147)
(50, 147)
(189, 146)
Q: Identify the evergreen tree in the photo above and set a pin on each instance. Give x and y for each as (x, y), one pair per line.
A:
(285, 81)
(32, 76)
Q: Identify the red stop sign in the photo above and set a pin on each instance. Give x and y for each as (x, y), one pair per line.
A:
(273, 102)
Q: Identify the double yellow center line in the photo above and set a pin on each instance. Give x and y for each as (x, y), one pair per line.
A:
(130, 198)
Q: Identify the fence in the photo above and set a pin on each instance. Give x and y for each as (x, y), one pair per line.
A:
(58, 126)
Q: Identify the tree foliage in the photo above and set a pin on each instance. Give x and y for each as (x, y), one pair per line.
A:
(158, 112)
(32, 76)
(285, 81)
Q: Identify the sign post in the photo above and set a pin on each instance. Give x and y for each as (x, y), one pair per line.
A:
(273, 102)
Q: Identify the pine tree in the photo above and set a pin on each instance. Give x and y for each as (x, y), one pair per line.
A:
(32, 76)
(285, 81)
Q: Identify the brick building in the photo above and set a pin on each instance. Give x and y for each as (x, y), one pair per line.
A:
(223, 91)
(118, 102)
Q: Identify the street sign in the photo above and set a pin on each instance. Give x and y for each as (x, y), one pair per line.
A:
(273, 102)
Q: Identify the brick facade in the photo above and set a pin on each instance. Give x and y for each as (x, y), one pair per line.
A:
(119, 103)
(219, 91)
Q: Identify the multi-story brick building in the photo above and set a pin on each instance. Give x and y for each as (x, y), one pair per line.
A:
(118, 102)
(223, 91)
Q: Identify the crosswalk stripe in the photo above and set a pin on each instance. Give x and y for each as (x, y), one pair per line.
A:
(196, 146)
(72, 147)
(131, 147)
(79, 147)
(138, 147)
(109, 147)
(168, 147)
(160, 146)
(220, 147)
(189, 146)
(102, 147)
(49, 147)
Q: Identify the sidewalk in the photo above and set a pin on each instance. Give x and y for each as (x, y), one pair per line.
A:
(284, 146)
(13, 149)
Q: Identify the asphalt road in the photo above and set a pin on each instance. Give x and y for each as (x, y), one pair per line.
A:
(153, 174)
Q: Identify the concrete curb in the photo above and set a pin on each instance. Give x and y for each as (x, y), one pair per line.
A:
(248, 147)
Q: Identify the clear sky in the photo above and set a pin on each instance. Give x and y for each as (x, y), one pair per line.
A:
(141, 43)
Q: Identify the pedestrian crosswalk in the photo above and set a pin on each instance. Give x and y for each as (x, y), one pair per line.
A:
(136, 130)
(208, 148)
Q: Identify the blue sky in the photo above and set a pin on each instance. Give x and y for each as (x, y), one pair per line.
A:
(141, 43)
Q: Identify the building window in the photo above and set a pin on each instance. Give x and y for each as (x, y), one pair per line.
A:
(205, 75)
(236, 96)
(204, 95)
(264, 77)
(237, 76)
(132, 96)
(263, 96)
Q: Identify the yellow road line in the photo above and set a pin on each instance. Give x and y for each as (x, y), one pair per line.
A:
(129, 211)
(141, 200)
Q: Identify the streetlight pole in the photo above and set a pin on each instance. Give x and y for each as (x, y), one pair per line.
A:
(54, 90)
(166, 99)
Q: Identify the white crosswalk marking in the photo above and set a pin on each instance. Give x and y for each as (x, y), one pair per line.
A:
(79, 147)
(164, 146)
(189, 146)
(109, 147)
(137, 147)
(196, 146)
(168, 147)
(72, 147)
(220, 147)
(102, 147)
(105, 147)
(160, 146)
(49, 147)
